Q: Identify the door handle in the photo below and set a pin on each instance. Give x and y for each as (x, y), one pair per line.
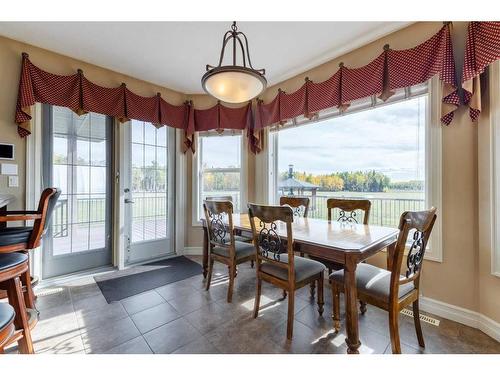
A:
(129, 201)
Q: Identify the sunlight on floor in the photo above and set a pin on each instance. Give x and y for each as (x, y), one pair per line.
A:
(48, 291)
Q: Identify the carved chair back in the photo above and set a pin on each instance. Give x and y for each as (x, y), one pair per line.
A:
(419, 225)
(348, 208)
(266, 222)
(300, 205)
(219, 218)
(220, 198)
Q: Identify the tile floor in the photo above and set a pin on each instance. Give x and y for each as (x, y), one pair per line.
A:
(184, 318)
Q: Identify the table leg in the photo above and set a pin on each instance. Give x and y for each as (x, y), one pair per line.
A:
(390, 255)
(351, 306)
(205, 252)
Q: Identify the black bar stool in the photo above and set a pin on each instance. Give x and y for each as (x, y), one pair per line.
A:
(7, 316)
(12, 267)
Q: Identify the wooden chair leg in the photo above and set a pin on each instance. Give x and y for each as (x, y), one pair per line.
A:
(418, 327)
(252, 262)
(394, 331)
(312, 287)
(284, 293)
(232, 275)
(291, 315)
(336, 307)
(16, 300)
(29, 296)
(321, 299)
(257, 298)
(209, 275)
(362, 306)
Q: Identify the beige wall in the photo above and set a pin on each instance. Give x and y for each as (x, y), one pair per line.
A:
(10, 66)
(462, 279)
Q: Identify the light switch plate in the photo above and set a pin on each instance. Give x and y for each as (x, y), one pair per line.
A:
(9, 168)
(13, 181)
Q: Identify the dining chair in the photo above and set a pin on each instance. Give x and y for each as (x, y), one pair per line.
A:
(223, 246)
(389, 289)
(238, 235)
(26, 238)
(276, 261)
(15, 323)
(347, 213)
(300, 205)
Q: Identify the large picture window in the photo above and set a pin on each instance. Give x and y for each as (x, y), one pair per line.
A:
(388, 153)
(218, 169)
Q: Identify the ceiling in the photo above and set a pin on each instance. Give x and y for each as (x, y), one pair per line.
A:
(174, 54)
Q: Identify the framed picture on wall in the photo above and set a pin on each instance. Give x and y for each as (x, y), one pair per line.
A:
(7, 151)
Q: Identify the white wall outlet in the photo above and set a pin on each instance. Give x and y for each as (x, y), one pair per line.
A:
(9, 168)
(13, 181)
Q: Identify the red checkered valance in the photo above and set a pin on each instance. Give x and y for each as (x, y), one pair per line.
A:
(392, 69)
(481, 49)
(81, 95)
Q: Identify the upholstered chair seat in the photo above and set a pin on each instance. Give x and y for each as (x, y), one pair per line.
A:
(373, 281)
(14, 235)
(10, 260)
(304, 268)
(237, 238)
(241, 249)
(6, 315)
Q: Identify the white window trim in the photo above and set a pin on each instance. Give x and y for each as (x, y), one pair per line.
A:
(195, 178)
(433, 155)
(494, 91)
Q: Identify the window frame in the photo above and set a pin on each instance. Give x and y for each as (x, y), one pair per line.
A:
(433, 151)
(196, 173)
(494, 84)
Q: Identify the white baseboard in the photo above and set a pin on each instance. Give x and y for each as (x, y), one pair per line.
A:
(459, 314)
(194, 250)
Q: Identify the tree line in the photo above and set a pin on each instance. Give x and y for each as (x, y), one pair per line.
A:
(360, 181)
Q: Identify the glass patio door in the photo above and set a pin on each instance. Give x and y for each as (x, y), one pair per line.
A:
(149, 155)
(77, 159)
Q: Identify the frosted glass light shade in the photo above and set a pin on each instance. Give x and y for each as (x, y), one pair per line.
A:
(233, 84)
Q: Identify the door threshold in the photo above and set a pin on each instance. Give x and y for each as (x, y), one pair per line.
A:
(57, 280)
(150, 260)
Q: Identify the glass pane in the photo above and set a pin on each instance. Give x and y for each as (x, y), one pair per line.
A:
(161, 136)
(80, 237)
(60, 150)
(137, 179)
(149, 133)
(98, 152)
(137, 131)
(98, 179)
(81, 209)
(161, 226)
(97, 207)
(137, 155)
(221, 152)
(137, 230)
(161, 181)
(81, 180)
(82, 152)
(82, 125)
(97, 238)
(150, 157)
(149, 228)
(60, 177)
(161, 157)
(97, 126)
(62, 120)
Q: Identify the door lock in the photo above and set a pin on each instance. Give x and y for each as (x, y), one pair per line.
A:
(129, 201)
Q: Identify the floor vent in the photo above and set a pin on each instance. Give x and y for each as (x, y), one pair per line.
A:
(423, 318)
(48, 291)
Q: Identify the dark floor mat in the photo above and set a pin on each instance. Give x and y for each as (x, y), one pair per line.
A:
(169, 271)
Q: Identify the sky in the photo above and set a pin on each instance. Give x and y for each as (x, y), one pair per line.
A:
(389, 139)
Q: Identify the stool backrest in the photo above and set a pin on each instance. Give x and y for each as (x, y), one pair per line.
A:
(46, 206)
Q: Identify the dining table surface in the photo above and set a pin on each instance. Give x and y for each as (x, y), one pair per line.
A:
(346, 243)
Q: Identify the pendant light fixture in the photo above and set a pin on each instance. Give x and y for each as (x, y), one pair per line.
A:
(234, 83)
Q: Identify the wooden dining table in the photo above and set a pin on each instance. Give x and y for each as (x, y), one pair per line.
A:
(341, 242)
